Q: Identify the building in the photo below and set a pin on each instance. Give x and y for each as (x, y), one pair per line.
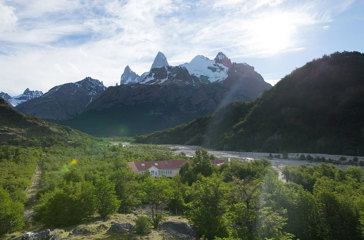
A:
(169, 168)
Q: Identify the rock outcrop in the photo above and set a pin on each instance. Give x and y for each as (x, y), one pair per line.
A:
(182, 230)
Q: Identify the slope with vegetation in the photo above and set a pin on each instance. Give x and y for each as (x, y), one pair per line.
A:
(317, 108)
(20, 128)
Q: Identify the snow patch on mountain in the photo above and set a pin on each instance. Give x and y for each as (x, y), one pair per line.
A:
(92, 86)
(25, 96)
(129, 77)
(206, 69)
(5, 96)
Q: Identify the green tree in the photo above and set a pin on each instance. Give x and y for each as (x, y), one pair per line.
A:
(158, 191)
(107, 202)
(10, 213)
(201, 166)
(271, 223)
(243, 198)
(67, 205)
(177, 203)
(128, 190)
(208, 208)
(337, 206)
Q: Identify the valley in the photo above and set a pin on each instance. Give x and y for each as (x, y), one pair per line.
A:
(278, 160)
(181, 120)
(284, 158)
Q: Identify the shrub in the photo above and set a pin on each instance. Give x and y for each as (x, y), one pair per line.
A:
(143, 225)
(10, 213)
(67, 205)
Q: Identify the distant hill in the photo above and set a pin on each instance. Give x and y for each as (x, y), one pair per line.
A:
(17, 126)
(317, 108)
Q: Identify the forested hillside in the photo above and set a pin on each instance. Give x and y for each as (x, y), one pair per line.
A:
(20, 128)
(316, 108)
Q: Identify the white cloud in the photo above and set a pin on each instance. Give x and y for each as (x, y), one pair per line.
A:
(7, 18)
(57, 41)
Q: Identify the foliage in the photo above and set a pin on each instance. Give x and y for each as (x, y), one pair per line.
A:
(200, 166)
(158, 191)
(67, 205)
(207, 208)
(106, 200)
(234, 201)
(10, 213)
(143, 225)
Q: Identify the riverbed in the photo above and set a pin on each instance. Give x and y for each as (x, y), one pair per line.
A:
(277, 163)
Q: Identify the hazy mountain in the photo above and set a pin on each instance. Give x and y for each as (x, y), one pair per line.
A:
(25, 96)
(5, 96)
(64, 101)
(129, 77)
(316, 108)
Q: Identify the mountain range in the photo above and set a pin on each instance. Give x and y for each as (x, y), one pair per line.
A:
(24, 97)
(316, 108)
(163, 97)
(166, 96)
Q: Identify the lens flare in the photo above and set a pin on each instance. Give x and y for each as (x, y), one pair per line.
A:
(65, 168)
(74, 161)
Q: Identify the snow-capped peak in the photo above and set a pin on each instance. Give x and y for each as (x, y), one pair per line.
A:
(223, 59)
(206, 70)
(129, 76)
(160, 61)
(92, 85)
(25, 96)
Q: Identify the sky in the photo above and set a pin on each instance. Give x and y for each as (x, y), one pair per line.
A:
(44, 43)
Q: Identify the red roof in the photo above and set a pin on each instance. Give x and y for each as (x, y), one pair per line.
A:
(218, 162)
(167, 164)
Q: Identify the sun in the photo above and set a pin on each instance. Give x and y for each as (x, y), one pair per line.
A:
(270, 34)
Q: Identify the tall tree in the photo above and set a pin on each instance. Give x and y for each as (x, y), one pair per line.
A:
(158, 191)
(107, 202)
(208, 208)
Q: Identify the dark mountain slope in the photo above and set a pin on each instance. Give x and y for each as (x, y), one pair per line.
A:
(142, 108)
(64, 101)
(17, 126)
(204, 131)
(317, 108)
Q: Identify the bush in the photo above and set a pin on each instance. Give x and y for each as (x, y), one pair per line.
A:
(143, 225)
(10, 213)
(67, 205)
(107, 202)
